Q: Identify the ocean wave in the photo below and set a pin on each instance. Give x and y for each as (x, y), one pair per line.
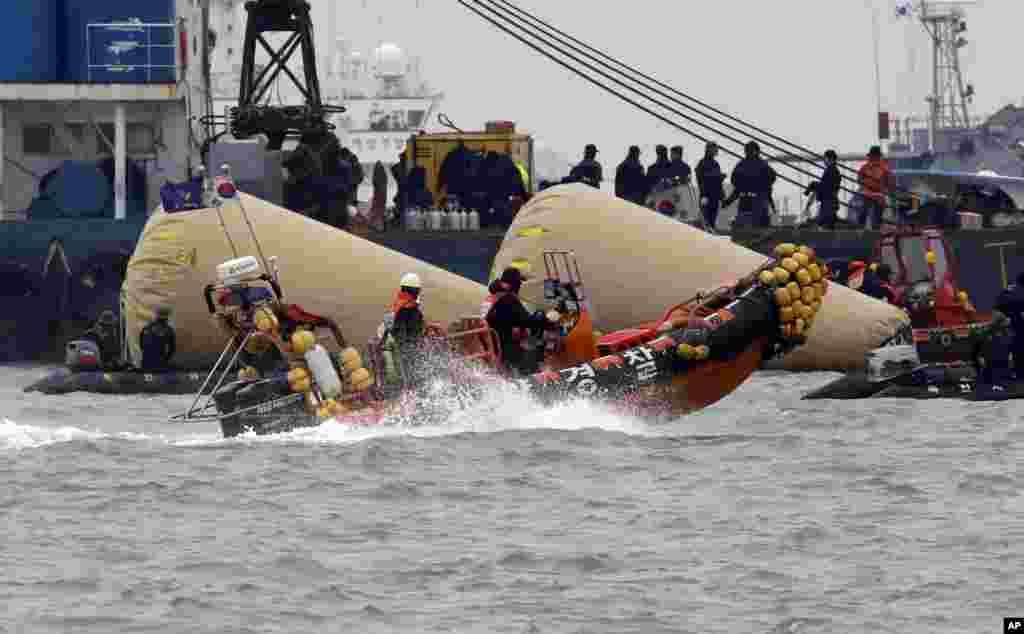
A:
(17, 437)
(503, 410)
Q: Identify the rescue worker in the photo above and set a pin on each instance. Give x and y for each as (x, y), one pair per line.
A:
(709, 182)
(876, 180)
(877, 283)
(157, 342)
(992, 356)
(630, 180)
(753, 180)
(400, 334)
(357, 175)
(827, 191)
(677, 167)
(658, 170)
(304, 169)
(379, 202)
(508, 314)
(1010, 302)
(588, 170)
(399, 171)
(104, 333)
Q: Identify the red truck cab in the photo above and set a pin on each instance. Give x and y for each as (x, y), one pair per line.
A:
(920, 257)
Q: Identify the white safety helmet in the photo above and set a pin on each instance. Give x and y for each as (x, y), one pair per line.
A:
(410, 280)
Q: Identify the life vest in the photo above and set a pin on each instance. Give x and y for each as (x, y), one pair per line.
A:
(875, 176)
(402, 300)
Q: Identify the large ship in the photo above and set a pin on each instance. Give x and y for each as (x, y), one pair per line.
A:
(960, 160)
(382, 87)
(96, 105)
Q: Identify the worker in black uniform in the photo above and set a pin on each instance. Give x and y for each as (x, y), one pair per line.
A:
(507, 315)
(1011, 303)
(827, 191)
(709, 182)
(878, 283)
(630, 179)
(588, 170)
(158, 342)
(753, 180)
(677, 167)
(105, 334)
(658, 170)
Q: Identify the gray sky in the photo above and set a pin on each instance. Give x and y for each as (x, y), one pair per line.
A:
(803, 69)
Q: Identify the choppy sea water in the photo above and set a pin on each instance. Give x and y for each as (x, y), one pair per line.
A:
(761, 514)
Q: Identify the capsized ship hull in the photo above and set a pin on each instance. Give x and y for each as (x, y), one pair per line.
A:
(638, 261)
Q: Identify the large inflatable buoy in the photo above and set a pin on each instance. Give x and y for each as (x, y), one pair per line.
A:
(327, 271)
(636, 262)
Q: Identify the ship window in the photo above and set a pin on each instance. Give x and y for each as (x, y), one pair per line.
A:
(415, 118)
(140, 138)
(37, 138)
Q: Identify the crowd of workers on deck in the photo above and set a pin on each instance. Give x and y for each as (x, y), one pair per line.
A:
(752, 180)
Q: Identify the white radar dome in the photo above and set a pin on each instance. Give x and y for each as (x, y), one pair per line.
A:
(390, 60)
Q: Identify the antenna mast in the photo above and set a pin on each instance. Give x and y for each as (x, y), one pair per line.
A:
(944, 22)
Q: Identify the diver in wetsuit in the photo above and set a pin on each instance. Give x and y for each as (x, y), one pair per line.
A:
(104, 333)
(1011, 303)
(158, 342)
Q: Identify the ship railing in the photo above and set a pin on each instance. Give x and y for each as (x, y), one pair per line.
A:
(138, 35)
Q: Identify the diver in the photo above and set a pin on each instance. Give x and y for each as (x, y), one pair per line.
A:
(1010, 302)
(400, 335)
(104, 333)
(507, 315)
(992, 356)
(588, 170)
(157, 341)
(753, 180)
(709, 182)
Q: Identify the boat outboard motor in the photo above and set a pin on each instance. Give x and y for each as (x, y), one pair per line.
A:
(82, 354)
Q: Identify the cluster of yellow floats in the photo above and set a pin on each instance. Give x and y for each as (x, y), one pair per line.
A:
(309, 362)
(800, 285)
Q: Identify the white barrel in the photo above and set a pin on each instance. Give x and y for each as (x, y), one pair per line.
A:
(411, 219)
(434, 220)
(459, 220)
(446, 221)
(324, 374)
(473, 221)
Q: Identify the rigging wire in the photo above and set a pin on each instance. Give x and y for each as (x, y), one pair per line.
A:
(627, 99)
(810, 158)
(602, 54)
